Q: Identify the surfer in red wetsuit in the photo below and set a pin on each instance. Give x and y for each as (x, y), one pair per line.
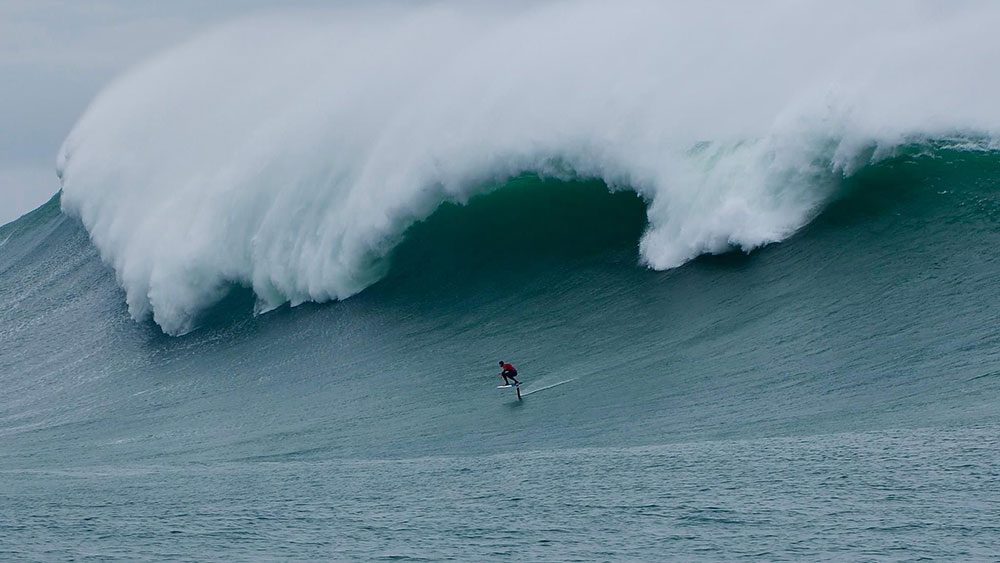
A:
(508, 372)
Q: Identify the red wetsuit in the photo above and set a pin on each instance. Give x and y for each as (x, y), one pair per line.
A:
(509, 371)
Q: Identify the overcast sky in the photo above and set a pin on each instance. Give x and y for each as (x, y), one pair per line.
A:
(56, 55)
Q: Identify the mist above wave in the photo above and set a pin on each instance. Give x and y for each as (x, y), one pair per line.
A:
(289, 153)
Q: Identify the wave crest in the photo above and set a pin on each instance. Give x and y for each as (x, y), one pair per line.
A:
(290, 153)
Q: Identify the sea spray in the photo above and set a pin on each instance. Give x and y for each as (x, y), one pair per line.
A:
(289, 153)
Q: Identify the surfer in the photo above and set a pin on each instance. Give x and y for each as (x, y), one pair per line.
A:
(508, 371)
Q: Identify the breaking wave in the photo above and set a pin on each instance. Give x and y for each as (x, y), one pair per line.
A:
(291, 153)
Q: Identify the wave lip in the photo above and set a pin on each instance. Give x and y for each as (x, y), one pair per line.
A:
(293, 167)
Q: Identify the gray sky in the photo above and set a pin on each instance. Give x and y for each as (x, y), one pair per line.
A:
(56, 55)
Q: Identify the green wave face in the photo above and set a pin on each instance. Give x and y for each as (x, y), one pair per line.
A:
(743, 255)
(868, 338)
(878, 313)
(528, 223)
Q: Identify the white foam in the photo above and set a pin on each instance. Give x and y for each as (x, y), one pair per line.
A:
(288, 153)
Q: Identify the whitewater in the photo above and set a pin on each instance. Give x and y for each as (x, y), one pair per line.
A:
(290, 153)
(743, 257)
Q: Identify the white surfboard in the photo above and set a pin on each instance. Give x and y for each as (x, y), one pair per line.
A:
(504, 386)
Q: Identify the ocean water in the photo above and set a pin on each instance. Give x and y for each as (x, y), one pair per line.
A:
(242, 340)
(875, 495)
(833, 396)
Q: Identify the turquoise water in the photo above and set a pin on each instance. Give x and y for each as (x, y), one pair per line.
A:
(831, 396)
(875, 495)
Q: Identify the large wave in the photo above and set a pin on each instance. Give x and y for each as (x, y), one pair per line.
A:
(289, 153)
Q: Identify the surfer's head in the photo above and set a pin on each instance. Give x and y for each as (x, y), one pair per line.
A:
(501, 362)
